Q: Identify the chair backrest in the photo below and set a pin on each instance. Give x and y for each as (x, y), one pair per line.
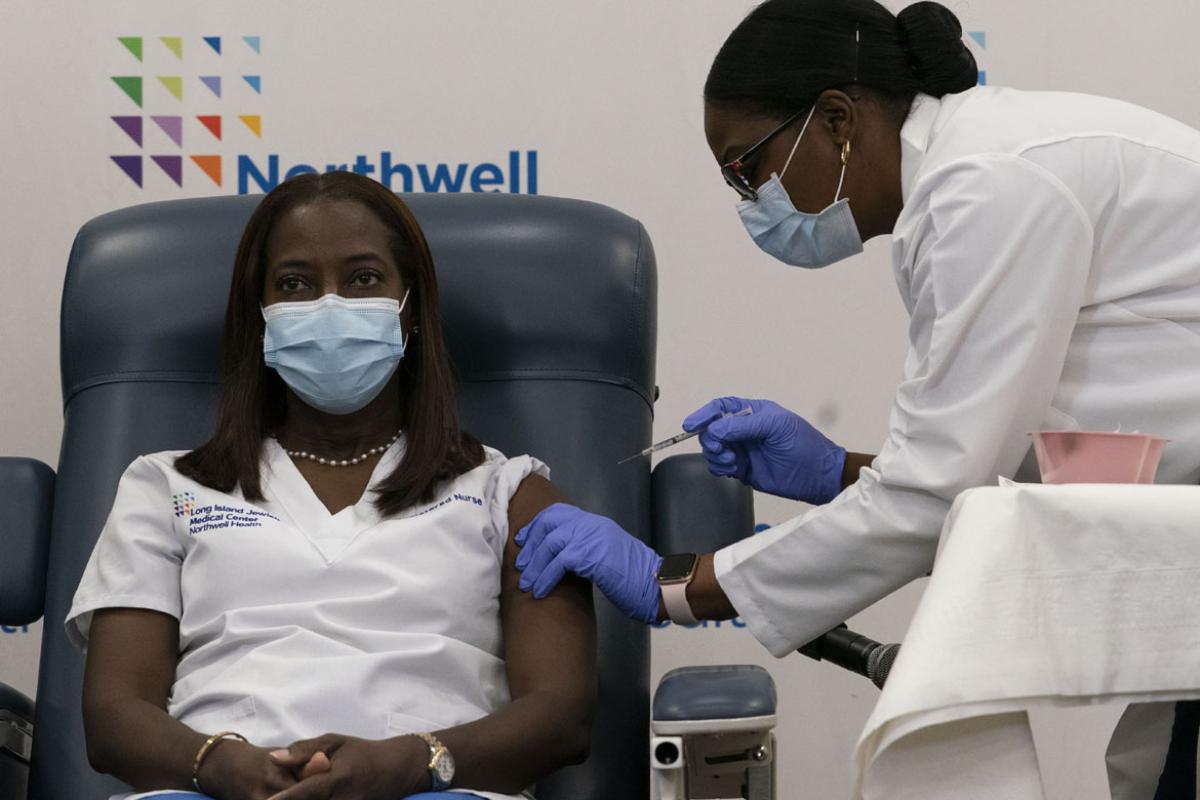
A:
(550, 309)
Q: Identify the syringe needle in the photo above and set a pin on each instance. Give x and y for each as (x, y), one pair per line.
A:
(682, 437)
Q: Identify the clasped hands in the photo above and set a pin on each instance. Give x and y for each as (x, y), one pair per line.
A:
(329, 767)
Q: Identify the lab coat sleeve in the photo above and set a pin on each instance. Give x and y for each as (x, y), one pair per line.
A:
(502, 485)
(996, 271)
(138, 558)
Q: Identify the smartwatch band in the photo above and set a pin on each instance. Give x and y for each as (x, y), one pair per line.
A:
(675, 599)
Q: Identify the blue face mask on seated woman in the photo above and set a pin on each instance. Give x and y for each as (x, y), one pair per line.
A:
(795, 237)
(336, 353)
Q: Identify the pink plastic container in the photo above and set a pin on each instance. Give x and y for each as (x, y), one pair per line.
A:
(1091, 457)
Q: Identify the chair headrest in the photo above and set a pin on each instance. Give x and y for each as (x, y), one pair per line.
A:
(500, 261)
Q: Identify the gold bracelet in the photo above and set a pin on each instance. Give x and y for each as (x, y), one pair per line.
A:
(205, 749)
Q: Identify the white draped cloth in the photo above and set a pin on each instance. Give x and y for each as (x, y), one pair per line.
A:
(1040, 597)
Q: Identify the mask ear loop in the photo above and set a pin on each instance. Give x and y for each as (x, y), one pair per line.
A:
(798, 138)
(404, 339)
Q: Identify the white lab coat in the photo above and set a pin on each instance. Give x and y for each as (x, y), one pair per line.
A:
(294, 622)
(1048, 253)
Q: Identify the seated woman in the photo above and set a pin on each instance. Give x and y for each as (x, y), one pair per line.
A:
(321, 601)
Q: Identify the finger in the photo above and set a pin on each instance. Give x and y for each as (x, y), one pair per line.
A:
(712, 410)
(282, 778)
(710, 443)
(730, 462)
(550, 576)
(722, 470)
(546, 520)
(701, 417)
(319, 787)
(720, 454)
(285, 757)
(551, 546)
(316, 765)
(300, 752)
(559, 516)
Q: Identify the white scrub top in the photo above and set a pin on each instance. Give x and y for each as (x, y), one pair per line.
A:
(1048, 253)
(294, 622)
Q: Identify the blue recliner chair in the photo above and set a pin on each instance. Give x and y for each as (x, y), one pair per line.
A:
(550, 312)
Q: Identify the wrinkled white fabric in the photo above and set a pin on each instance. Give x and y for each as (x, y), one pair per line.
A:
(1041, 597)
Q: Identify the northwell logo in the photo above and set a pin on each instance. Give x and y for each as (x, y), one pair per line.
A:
(185, 504)
(192, 123)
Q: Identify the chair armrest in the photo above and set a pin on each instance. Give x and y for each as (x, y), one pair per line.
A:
(16, 742)
(696, 512)
(16, 723)
(714, 699)
(26, 503)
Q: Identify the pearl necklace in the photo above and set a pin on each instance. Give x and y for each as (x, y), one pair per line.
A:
(345, 462)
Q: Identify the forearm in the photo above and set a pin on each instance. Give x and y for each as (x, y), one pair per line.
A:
(705, 595)
(521, 742)
(140, 744)
(854, 462)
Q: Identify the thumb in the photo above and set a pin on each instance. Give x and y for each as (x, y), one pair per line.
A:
(712, 410)
(297, 753)
(316, 765)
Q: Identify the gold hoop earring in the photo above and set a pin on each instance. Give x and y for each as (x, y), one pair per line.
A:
(845, 152)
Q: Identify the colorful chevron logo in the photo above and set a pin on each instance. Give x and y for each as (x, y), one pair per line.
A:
(173, 100)
(185, 503)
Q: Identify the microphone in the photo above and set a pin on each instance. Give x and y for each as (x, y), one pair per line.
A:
(854, 652)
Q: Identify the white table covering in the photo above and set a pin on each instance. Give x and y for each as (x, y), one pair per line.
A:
(1040, 596)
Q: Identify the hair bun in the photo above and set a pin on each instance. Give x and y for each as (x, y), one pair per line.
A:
(940, 60)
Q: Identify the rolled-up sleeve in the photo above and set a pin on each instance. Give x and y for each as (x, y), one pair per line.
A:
(995, 264)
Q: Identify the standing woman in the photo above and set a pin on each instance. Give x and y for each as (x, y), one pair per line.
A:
(1046, 247)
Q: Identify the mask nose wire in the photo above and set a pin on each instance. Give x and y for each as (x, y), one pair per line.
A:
(803, 128)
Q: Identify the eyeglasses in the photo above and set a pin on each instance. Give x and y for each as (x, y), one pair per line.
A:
(733, 171)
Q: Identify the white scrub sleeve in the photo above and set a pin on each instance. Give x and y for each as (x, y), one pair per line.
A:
(997, 271)
(503, 483)
(136, 562)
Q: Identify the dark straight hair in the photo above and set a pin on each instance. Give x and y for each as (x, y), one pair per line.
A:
(253, 398)
(780, 58)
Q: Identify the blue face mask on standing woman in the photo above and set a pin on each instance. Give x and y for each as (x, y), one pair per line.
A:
(794, 237)
(336, 353)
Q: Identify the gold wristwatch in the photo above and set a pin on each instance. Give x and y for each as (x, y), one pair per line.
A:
(441, 763)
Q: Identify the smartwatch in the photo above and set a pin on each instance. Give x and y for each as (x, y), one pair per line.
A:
(673, 578)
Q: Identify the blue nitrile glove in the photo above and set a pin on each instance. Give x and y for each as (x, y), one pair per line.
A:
(773, 449)
(564, 538)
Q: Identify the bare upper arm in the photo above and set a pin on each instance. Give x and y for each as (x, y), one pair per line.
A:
(132, 654)
(550, 644)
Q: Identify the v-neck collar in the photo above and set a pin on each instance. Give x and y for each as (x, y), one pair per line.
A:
(328, 533)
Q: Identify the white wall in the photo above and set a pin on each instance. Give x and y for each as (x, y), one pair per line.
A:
(608, 94)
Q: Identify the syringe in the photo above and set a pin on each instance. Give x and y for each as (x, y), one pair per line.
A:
(683, 437)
